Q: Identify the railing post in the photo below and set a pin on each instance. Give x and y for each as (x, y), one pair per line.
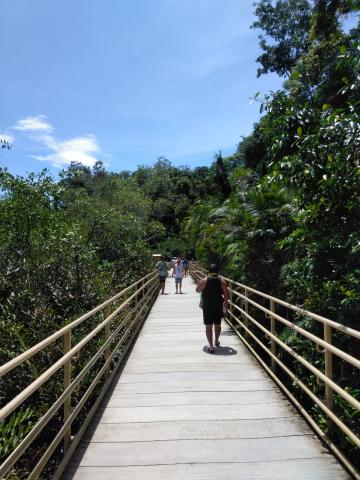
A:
(143, 295)
(231, 298)
(328, 366)
(107, 352)
(273, 331)
(136, 299)
(67, 382)
(146, 287)
(246, 308)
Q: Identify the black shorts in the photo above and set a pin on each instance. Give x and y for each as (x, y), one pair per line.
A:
(162, 278)
(212, 317)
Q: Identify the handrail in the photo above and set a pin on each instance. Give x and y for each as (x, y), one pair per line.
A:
(15, 362)
(241, 320)
(301, 311)
(138, 299)
(342, 328)
(345, 356)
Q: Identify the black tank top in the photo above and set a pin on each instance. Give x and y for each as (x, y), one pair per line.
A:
(213, 294)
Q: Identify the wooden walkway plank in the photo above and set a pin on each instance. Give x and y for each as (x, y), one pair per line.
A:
(177, 411)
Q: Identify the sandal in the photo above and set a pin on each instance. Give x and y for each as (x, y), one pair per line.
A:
(217, 344)
(211, 350)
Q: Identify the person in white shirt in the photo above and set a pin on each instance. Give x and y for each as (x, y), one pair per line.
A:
(178, 272)
(172, 265)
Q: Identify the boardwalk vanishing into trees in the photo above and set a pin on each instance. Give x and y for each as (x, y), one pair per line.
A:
(158, 405)
(177, 412)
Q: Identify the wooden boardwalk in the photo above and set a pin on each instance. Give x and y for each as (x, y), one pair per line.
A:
(178, 412)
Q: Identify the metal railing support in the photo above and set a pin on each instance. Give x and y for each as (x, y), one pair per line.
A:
(67, 382)
(231, 297)
(246, 308)
(142, 289)
(328, 366)
(106, 337)
(273, 331)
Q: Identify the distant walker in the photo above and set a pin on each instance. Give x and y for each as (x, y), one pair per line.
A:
(178, 272)
(162, 268)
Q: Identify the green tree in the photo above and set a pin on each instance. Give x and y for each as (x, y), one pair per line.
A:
(286, 28)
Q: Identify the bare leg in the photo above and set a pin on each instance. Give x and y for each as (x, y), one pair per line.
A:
(217, 333)
(162, 287)
(209, 335)
(180, 285)
(176, 286)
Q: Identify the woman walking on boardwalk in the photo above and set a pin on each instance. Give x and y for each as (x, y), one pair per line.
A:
(215, 297)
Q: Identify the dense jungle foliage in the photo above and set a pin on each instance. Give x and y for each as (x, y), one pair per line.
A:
(281, 214)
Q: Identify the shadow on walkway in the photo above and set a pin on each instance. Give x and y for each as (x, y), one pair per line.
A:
(221, 351)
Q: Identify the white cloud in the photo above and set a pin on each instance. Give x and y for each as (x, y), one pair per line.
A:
(34, 124)
(78, 149)
(62, 152)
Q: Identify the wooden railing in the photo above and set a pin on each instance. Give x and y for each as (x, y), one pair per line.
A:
(113, 327)
(260, 335)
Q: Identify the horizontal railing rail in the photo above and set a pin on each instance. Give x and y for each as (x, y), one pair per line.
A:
(262, 332)
(117, 322)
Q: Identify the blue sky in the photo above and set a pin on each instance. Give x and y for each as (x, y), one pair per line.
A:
(126, 81)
